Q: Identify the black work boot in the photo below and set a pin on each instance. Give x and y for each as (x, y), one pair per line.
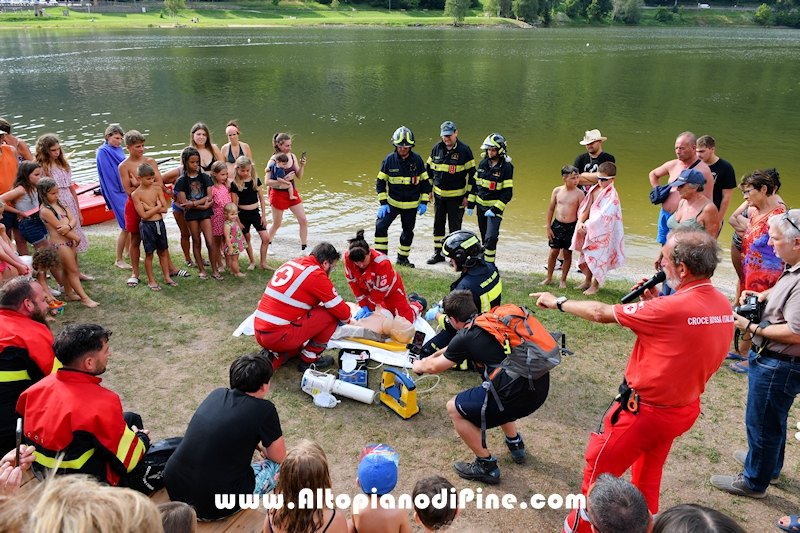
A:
(402, 260)
(483, 470)
(323, 361)
(437, 257)
(517, 449)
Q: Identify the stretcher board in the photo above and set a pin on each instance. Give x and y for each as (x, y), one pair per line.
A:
(387, 357)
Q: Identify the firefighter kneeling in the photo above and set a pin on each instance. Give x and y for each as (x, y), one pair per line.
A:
(506, 395)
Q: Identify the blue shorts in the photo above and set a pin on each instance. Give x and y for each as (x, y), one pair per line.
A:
(154, 235)
(33, 230)
(10, 220)
(663, 229)
(470, 402)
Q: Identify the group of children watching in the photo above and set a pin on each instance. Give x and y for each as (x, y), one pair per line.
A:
(50, 226)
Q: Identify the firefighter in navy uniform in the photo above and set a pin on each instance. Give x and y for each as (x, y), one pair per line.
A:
(492, 191)
(451, 168)
(482, 279)
(403, 189)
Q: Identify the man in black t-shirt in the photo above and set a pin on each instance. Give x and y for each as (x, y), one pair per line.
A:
(721, 170)
(467, 408)
(588, 162)
(214, 456)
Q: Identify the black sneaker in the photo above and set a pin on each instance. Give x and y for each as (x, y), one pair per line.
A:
(436, 258)
(323, 361)
(414, 297)
(484, 470)
(402, 260)
(517, 449)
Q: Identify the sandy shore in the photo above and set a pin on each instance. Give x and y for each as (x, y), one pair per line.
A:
(512, 254)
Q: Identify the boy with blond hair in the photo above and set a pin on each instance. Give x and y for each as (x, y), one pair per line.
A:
(564, 203)
(128, 170)
(150, 206)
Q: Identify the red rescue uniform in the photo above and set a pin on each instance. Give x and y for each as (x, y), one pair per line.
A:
(26, 356)
(681, 340)
(70, 412)
(378, 284)
(299, 311)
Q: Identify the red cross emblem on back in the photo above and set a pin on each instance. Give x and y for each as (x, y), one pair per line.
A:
(282, 276)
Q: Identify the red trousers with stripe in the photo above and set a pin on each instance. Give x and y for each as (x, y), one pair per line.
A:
(288, 341)
(640, 442)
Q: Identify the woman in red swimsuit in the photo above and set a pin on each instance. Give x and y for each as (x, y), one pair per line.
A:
(279, 191)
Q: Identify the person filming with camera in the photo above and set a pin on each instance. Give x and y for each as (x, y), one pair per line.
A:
(774, 377)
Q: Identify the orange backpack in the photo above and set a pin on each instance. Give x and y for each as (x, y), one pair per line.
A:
(531, 351)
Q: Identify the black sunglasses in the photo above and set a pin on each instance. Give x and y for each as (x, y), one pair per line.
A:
(786, 217)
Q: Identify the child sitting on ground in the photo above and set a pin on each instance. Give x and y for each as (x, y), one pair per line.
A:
(429, 517)
(233, 239)
(178, 517)
(564, 204)
(60, 223)
(277, 167)
(44, 258)
(377, 474)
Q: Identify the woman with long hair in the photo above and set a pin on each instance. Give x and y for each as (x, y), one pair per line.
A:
(305, 467)
(279, 189)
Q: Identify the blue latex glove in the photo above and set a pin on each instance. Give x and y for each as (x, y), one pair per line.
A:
(490, 214)
(470, 211)
(364, 312)
(422, 208)
(383, 210)
(431, 314)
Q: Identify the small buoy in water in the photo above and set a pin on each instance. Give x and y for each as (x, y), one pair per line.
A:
(248, 40)
(587, 44)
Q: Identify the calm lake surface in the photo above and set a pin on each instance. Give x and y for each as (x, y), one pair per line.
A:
(343, 91)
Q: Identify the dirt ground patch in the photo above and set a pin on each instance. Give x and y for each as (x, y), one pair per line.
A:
(171, 348)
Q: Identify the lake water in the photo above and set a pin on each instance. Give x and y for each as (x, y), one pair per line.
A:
(343, 91)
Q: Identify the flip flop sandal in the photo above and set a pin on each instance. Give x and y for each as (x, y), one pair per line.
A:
(206, 263)
(737, 367)
(204, 277)
(735, 357)
(154, 288)
(133, 282)
(794, 524)
(182, 274)
(217, 277)
(172, 284)
(191, 264)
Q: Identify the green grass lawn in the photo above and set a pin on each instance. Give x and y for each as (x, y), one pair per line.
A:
(171, 348)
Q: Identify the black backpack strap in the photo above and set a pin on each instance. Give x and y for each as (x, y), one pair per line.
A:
(489, 387)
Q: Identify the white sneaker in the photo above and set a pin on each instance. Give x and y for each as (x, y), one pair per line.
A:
(270, 251)
(304, 251)
(55, 292)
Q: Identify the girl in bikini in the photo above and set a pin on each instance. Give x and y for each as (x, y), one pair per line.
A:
(60, 223)
(248, 196)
